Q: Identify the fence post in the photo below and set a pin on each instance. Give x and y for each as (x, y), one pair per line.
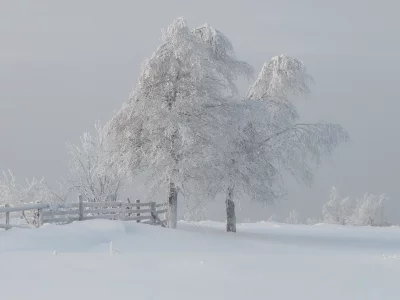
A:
(36, 216)
(122, 212)
(138, 207)
(153, 213)
(7, 216)
(40, 217)
(128, 207)
(80, 203)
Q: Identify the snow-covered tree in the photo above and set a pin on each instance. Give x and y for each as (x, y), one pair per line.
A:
(313, 221)
(338, 210)
(365, 211)
(271, 141)
(93, 172)
(294, 146)
(369, 210)
(293, 218)
(179, 111)
(33, 191)
(10, 191)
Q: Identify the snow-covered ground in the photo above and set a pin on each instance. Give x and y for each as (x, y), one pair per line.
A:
(199, 261)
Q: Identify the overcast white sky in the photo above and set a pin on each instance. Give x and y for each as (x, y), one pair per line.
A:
(66, 64)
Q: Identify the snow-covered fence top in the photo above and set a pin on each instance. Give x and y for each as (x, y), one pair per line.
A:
(149, 213)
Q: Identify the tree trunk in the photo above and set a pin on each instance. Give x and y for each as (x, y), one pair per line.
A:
(172, 206)
(230, 212)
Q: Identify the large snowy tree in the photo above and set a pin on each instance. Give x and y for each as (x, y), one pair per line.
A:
(179, 110)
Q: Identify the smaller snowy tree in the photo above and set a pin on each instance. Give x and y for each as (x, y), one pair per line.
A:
(270, 141)
(10, 191)
(338, 210)
(369, 210)
(34, 191)
(313, 221)
(14, 193)
(365, 211)
(346, 210)
(293, 218)
(93, 170)
(331, 210)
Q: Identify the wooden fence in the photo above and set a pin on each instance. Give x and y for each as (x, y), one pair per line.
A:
(148, 213)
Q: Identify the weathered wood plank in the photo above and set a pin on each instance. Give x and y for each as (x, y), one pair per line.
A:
(23, 207)
(64, 205)
(135, 218)
(102, 210)
(107, 217)
(102, 204)
(60, 220)
(51, 213)
(135, 204)
(132, 211)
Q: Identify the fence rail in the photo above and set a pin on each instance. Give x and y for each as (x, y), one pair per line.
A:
(149, 213)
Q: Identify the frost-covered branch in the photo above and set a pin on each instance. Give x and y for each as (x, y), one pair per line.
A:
(93, 171)
(34, 190)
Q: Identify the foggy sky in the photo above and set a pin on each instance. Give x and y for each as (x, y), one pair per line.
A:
(66, 64)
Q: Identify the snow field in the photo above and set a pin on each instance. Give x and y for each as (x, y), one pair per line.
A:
(199, 261)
